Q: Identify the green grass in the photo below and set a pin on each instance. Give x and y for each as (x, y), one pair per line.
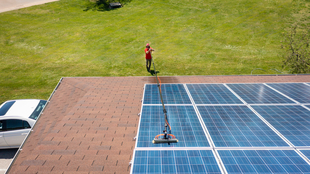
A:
(41, 44)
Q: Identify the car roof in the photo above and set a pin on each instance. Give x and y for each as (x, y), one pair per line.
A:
(22, 108)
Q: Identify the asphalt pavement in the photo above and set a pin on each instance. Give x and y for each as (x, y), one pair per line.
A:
(9, 5)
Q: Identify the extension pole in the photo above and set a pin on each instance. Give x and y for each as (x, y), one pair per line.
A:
(166, 138)
(162, 102)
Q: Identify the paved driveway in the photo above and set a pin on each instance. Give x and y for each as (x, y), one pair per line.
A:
(8, 5)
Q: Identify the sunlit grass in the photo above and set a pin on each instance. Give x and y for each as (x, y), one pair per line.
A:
(41, 44)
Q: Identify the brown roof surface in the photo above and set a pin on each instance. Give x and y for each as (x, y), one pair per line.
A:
(89, 124)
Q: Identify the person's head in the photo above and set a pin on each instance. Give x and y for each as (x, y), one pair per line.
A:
(147, 45)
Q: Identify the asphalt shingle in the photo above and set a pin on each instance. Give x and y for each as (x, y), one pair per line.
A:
(89, 123)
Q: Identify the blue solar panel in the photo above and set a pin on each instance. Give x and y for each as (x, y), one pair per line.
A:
(263, 161)
(258, 94)
(212, 94)
(175, 161)
(297, 91)
(236, 131)
(184, 124)
(237, 126)
(292, 121)
(172, 94)
(306, 153)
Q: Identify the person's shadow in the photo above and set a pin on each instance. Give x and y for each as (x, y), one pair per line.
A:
(153, 72)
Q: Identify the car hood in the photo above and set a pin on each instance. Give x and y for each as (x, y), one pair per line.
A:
(22, 108)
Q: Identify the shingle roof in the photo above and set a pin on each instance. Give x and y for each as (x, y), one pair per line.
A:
(89, 123)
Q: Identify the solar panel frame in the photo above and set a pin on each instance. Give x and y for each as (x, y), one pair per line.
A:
(279, 116)
(212, 94)
(258, 94)
(299, 92)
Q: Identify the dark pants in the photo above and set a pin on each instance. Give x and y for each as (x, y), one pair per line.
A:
(148, 64)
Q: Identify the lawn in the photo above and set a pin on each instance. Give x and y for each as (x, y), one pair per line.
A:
(41, 44)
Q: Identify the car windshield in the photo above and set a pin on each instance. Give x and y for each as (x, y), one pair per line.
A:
(4, 109)
(38, 110)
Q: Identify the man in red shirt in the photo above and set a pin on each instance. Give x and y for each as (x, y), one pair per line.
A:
(148, 56)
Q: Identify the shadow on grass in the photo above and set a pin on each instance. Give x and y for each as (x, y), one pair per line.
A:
(102, 5)
(153, 72)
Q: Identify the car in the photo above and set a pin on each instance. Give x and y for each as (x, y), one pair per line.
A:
(17, 117)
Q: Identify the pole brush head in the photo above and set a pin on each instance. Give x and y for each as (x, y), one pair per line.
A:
(167, 138)
(163, 140)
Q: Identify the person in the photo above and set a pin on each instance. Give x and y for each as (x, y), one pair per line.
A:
(148, 56)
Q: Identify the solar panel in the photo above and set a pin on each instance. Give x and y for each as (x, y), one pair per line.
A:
(297, 91)
(175, 161)
(238, 126)
(212, 94)
(184, 124)
(263, 161)
(258, 94)
(292, 121)
(306, 153)
(241, 141)
(172, 94)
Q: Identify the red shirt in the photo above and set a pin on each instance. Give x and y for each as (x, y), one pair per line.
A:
(148, 55)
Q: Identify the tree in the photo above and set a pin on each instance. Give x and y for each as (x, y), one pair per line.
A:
(296, 49)
(296, 43)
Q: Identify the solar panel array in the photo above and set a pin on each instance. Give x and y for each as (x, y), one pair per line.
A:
(226, 128)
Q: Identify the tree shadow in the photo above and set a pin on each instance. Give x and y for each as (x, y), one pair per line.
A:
(103, 5)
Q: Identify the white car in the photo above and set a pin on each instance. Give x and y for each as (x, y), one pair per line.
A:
(17, 117)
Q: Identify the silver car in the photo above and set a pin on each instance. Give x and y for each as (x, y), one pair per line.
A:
(17, 117)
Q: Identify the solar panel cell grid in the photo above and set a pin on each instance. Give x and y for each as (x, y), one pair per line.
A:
(292, 121)
(212, 94)
(237, 126)
(297, 91)
(172, 94)
(232, 125)
(258, 94)
(175, 161)
(306, 153)
(184, 124)
(263, 161)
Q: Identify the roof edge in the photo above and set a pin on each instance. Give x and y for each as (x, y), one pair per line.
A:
(21, 146)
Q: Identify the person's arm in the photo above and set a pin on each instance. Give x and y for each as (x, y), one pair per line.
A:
(151, 49)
